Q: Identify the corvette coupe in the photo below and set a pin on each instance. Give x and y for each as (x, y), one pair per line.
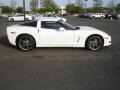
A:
(54, 33)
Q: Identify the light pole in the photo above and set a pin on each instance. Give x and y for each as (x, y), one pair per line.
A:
(113, 6)
(0, 7)
(85, 6)
(24, 8)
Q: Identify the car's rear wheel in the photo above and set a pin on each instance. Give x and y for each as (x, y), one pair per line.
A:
(94, 42)
(11, 19)
(93, 17)
(25, 42)
(26, 19)
(102, 17)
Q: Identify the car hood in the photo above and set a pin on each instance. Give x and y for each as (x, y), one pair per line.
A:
(87, 29)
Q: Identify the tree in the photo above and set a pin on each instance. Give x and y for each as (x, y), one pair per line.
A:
(49, 3)
(79, 9)
(20, 10)
(6, 9)
(50, 6)
(118, 8)
(97, 10)
(97, 6)
(34, 5)
(70, 8)
(97, 3)
(79, 3)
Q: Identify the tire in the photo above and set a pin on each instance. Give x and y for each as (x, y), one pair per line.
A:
(12, 20)
(93, 17)
(118, 18)
(26, 19)
(61, 20)
(102, 17)
(25, 42)
(94, 42)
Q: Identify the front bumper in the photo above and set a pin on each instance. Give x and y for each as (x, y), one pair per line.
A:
(107, 41)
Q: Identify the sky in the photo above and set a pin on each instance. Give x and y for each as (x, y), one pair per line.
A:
(61, 3)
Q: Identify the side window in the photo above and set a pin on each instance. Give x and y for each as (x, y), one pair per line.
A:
(50, 25)
(44, 15)
(31, 24)
(19, 15)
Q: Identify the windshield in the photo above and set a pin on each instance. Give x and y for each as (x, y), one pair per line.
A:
(68, 26)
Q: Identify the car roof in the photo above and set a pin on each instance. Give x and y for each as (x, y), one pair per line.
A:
(48, 19)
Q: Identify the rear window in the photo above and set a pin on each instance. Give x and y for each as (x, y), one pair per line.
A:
(31, 24)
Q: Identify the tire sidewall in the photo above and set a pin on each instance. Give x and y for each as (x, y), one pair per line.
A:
(25, 36)
(12, 20)
(97, 36)
(26, 19)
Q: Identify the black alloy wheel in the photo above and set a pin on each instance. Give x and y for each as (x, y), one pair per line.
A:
(25, 43)
(94, 42)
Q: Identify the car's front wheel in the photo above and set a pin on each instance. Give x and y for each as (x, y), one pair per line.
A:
(12, 20)
(25, 42)
(94, 42)
(102, 17)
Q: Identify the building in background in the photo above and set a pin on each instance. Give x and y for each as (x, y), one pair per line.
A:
(40, 3)
(62, 11)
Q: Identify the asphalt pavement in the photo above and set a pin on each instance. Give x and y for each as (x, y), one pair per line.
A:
(62, 68)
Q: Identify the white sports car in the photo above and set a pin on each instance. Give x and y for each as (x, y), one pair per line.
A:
(52, 33)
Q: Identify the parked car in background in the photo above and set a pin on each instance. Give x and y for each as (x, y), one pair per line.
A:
(84, 15)
(20, 18)
(4, 15)
(116, 16)
(96, 15)
(48, 16)
(108, 15)
(56, 33)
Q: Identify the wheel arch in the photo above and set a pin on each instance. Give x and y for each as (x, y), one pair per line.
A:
(25, 34)
(11, 19)
(93, 35)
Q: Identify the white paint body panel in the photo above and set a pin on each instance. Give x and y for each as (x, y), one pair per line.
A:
(51, 37)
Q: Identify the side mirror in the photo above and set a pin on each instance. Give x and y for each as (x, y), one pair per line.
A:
(61, 29)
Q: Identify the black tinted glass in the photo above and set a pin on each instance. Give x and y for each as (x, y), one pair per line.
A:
(50, 25)
(31, 24)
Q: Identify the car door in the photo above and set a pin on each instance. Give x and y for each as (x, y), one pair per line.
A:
(19, 17)
(53, 34)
